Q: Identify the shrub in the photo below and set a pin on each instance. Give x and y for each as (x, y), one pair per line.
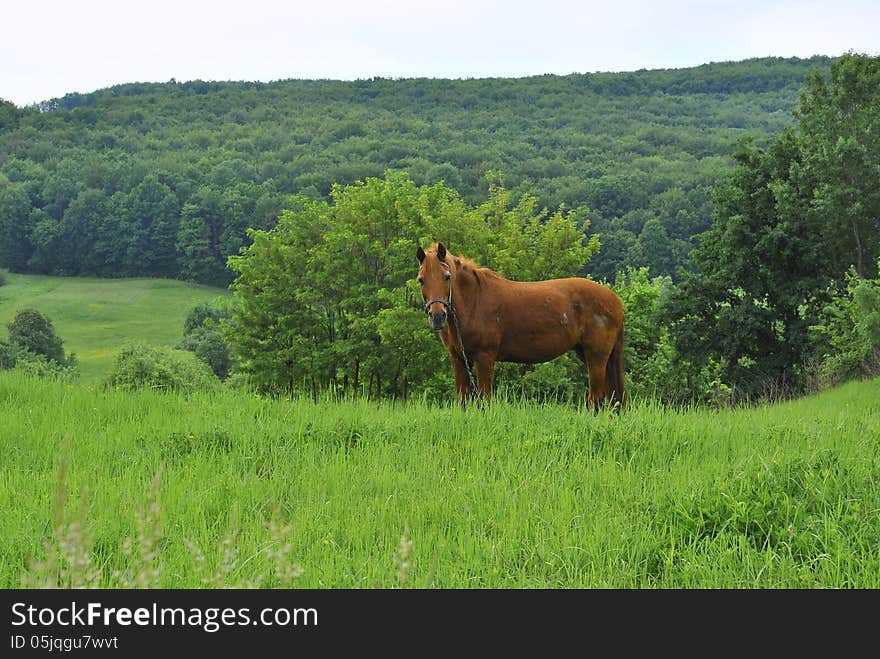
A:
(9, 353)
(212, 350)
(202, 336)
(849, 331)
(139, 366)
(34, 331)
(35, 348)
(201, 315)
(13, 355)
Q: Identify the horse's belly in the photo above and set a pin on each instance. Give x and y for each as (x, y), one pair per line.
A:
(527, 358)
(533, 349)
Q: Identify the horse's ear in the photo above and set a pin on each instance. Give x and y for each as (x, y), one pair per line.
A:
(420, 254)
(441, 251)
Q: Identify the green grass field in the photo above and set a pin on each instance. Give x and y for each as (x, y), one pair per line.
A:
(230, 489)
(96, 317)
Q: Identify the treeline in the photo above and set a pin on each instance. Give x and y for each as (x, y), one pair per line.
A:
(164, 179)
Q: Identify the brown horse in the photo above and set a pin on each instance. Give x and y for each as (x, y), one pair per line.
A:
(482, 318)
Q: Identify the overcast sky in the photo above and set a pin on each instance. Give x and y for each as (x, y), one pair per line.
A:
(51, 47)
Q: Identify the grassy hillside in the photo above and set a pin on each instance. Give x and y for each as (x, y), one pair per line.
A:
(96, 317)
(231, 489)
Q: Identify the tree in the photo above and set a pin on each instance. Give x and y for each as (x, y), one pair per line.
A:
(528, 243)
(34, 331)
(649, 356)
(199, 253)
(278, 327)
(15, 208)
(569, 141)
(757, 270)
(654, 249)
(44, 234)
(839, 120)
(788, 224)
(61, 187)
(9, 115)
(150, 226)
(77, 234)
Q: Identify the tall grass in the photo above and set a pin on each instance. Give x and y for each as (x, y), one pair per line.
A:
(228, 489)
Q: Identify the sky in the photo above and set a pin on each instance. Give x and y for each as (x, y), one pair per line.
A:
(49, 48)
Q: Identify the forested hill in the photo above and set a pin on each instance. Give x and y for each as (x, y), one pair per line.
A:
(163, 179)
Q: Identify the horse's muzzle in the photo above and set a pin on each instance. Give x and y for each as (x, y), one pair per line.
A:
(437, 319)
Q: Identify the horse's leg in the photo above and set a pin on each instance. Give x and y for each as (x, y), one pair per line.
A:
(596, 365)
(597, 384)
(579, 350)
(462, 379)
(485, 363)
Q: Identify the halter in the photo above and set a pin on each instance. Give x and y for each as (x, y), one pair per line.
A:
(446, 303)
(450, 310)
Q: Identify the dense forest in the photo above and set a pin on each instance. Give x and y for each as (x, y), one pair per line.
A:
(164, 179)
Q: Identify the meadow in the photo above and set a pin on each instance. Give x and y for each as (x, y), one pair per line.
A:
(228, 489)
(95, 317)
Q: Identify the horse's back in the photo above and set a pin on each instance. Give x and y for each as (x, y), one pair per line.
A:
(575, 294)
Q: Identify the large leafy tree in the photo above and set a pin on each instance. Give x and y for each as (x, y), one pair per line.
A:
(839, 120)
(328, 297)
(788, 223)
(278, 325)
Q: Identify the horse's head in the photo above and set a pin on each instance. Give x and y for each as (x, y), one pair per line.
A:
(435, 280)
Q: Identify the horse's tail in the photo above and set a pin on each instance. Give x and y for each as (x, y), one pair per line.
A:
(614, 373)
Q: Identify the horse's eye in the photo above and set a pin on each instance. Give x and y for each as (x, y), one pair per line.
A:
(421, 280)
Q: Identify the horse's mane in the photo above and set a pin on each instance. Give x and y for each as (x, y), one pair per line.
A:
(466, 263)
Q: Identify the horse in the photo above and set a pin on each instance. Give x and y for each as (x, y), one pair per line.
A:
(483, 318)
